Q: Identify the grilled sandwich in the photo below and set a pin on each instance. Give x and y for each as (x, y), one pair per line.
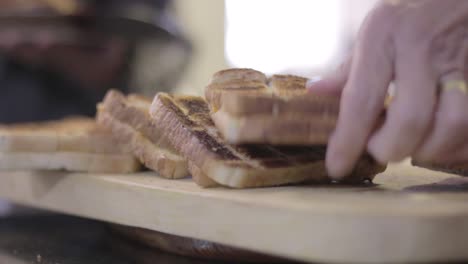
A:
(72, 144)
(247, 107)
(186, 123)
(128, 119)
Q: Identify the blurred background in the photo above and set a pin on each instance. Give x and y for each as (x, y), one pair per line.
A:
(305, 37)
(58, 57)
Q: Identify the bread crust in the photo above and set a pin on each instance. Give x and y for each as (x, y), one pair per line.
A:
(293, 130)
(200, 178)
(128, 119)
(71, 144)
(167, 164)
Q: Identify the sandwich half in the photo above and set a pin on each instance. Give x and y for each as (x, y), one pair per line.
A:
(128, 119)
(186, 123)
(249, 108)
(71, 144)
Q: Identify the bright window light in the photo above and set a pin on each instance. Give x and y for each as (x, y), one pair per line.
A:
(280, 35)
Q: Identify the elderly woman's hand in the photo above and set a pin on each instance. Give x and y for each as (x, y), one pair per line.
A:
(422, 46)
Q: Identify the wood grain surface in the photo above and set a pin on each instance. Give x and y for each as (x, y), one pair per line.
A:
(408, 215)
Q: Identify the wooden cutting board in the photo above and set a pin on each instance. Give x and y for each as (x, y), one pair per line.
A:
(410, 215)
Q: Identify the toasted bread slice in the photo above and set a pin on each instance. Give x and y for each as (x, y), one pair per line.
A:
(459, 169)
(74, 134)
(128, 118)
(186, 122)
(248, 107)
(73, 144)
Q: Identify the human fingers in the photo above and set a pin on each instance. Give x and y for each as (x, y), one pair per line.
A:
(450, 129)
(449, 59)
(410, 114)
(363, 96)
(334, 82)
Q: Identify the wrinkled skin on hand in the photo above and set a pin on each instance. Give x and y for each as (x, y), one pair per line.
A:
(418, 45)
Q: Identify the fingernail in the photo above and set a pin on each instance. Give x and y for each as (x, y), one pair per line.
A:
(335, 165)
(310, 82)
(335, 160)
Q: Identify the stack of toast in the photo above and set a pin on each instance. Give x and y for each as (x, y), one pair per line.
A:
(249, 108)
(250, 131)
(185, 121)
(128, 119)
(254, 131)
(72, 144)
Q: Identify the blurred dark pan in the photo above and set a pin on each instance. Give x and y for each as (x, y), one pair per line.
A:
(68, 26)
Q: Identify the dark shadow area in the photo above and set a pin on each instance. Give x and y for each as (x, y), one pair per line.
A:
(51, 239)
(46, 181)
(452, 185)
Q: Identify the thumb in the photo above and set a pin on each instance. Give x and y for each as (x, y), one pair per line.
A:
(333, 83)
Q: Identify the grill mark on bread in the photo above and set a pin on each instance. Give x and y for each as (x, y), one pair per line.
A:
(259, 156)
(197, 119)
(181, 114)
(254, 156)
(219, 149)
(298, 154)
(196, 110)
